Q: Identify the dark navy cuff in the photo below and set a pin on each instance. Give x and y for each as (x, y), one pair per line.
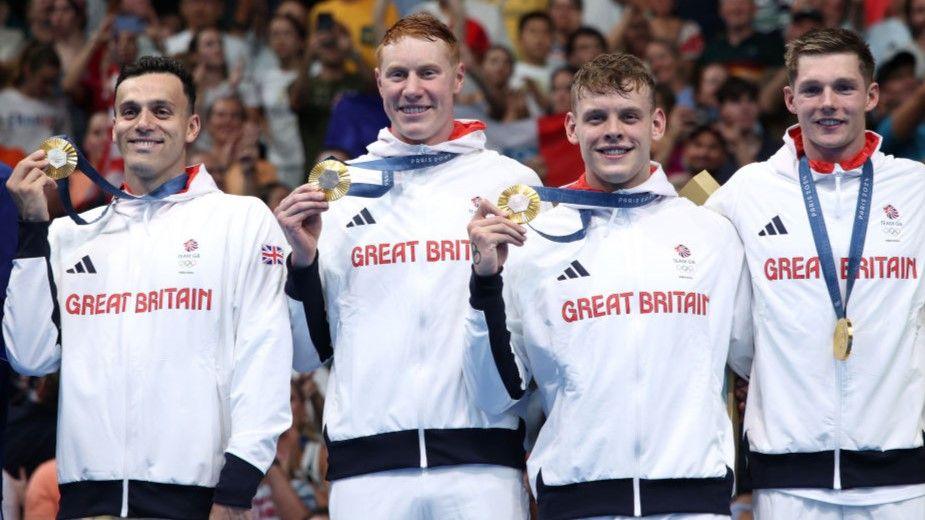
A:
(485, 291)
(301, 280)
(33, 240)
(237, 484)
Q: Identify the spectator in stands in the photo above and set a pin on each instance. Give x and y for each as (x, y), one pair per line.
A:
(664, 61)
(743, 50)
(365, 21)
(534, 68)
(739, 124)
(666, 25)
(284, 146)
(566, 19)
(561, 161)
(632, 34)
(68, 21)
(705, 149)
(235, 149)
(321, 80)
(215, 78)
(38, 17)
(206, 14)
(30, 111)
(708, 79)
(901, 108)
(583, 45)
(11, 38)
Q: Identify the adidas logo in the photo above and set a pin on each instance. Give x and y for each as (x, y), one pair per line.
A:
(774, 227)
(575, 271)
(362, 218)
(85, 265)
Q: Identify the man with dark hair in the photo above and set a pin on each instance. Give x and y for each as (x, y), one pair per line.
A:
(166, 316)
(740, 48)
(739, 122)
(705, 149)
(583, 45)
(534, 43)
(834, 418)
(621, 327)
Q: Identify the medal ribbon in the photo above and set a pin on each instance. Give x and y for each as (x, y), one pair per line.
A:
(588, 198)
(388, 166)
(821, 236)
(174, 185)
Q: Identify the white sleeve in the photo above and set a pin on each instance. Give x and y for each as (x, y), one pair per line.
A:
(31, 321)
(741, 344)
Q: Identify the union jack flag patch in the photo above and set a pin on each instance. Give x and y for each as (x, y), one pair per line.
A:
(271, 255)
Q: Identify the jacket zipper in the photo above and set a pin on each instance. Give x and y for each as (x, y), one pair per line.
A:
(637, 377)
(839, 365)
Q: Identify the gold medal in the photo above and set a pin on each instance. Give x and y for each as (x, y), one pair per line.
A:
(842, 339)
(521, 202)
(331, 177)
(61, 156)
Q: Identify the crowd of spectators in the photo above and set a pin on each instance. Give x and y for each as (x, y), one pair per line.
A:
(283, 84)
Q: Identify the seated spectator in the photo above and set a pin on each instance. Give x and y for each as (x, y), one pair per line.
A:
(284, 146)
(214, 78)
(704, 149)
(235, 149)
(68, 19)
(360, 17)
(207, 14)
(493, 78)
(667, 68)
(667, 26)
(30, 110)
(740, 48)
(901, 108)
(583, 45)
(321, 80)
(38, 18)
(534, 68)
(566, 19)
(632, 34)
(708, 78)
(561, 159)
(738, 122)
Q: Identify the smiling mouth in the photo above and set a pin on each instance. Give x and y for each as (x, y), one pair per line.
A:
(413, 109)
(830, 122)
(614, 151)
(143, 144)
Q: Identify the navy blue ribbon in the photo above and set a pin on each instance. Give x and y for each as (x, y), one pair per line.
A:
(170, 187)
(588, 198)
(388, 166)
(821, 236)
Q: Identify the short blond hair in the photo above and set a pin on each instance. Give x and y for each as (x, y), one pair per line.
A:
(820, 42)
(608, 73)
(422, 26)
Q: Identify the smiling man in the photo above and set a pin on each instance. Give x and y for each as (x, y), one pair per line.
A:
(834, 242)
(166, 316)
(622, 328)
(384, 291)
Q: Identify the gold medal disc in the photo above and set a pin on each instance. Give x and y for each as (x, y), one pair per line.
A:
(331, 177)
(61, 156)
(842, 339)
(521, 202)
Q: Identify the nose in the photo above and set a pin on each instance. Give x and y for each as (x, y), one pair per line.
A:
(145, 122)
(412, 86)
(828, 98)
(613, 129)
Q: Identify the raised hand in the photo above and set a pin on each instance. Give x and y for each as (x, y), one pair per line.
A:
(490, 232)
(27, 187)
(299, 214)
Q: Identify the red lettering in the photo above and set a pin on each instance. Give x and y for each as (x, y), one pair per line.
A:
(72, 304)
(597, 305)
(645, 302)
(770, 269)
(356, 256)
(568, 311)
(433, 251)
(141, 303)
(584, 308)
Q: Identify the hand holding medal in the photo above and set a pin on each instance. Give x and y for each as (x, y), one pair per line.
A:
(490, 231)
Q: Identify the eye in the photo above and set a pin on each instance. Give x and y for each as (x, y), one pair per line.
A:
(811, 90)
(128, 112)
(398, 74)
(630, 118)
(162, 112)
(428, 73)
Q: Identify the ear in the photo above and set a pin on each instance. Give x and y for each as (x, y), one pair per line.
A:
(873, 96)
(192, 128)
(659, 123)
(460, 75)
(112, 129)
(788, 99)
(570, 124)
(378, 74)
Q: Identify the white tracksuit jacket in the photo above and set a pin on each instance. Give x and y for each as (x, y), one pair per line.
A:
(169, 324)
(388, 294)
(813, 421)
(625, 333)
